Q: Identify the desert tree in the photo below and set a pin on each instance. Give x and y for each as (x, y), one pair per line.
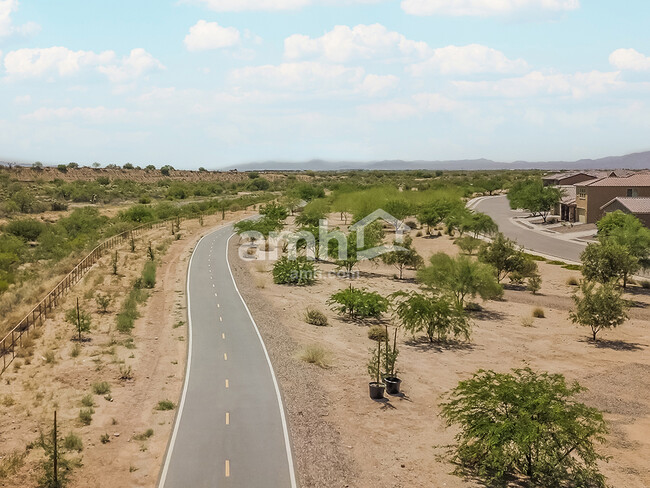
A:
(609, 261)
(600, 307)
(526, 426)
(437, 315)
(461, 277)
(407, 257)
(468, 244)
(506, 258)
(79, 318)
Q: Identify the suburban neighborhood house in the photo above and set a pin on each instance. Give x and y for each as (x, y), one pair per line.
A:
(639, 206)
(568, 179)
(596, 197)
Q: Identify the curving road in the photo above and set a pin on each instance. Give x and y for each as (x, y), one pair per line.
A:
(534, 240)
(230, 429)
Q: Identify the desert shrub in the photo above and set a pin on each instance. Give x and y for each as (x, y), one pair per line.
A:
(529, 423)
(358, 303)
(299, 271)
(149, 274)
(315, 317)
(144, 435)
(79, 318)
(101, 388)
(526, 322)
(105, 438)
(534, 283)
(72, 442)
(126, 373)
(538, 313)
(11, 463)
(103, 302)
(573, 281)
(88, 401)
(377, 333)
(316, 354)
(164, 405)
(27, 229)
(86, 415)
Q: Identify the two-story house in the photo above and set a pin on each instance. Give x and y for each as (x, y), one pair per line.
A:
(591, 196)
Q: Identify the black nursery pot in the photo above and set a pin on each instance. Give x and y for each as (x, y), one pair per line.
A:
(376, 390)
(392, 385)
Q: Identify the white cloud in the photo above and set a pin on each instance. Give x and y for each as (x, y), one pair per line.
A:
(31, 63)
(138, 63)
(391, 110)
(378, 85)
(7, 27)
(435, 102)
(343, 44)
(302, 76)
(486, 7)
(629, 59)
(89, 114)
(418, 105)
(35, 63)
(23, 99)
(470, 59)
(242, 5)
(210, 35)
(578, 85)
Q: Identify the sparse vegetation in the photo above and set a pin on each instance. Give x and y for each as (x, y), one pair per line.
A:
(538, 313)
(358, 303)
(165, 405)
(101, 388)
(299, 271)
(315, 317)
(86, 415)
(316, 354)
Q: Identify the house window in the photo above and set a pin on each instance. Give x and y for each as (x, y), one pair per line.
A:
(582, 193)
(632, 192)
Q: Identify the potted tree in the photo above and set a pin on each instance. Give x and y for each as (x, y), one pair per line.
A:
(391, 380)
(374, 369)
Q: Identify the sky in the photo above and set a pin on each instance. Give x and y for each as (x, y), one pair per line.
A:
(215, 83)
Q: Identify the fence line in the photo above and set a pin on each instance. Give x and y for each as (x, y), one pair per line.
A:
(46, 305)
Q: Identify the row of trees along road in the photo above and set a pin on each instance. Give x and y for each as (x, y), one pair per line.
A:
(533, 196)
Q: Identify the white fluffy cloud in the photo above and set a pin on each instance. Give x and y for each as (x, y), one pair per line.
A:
(61, 61)
(470, 59)
(242, 5)
(343, 44)
(89, 114)
(578, 85)
(7, 27)
(485, 7)
(629, 59)
(210, 35)
(314, 78)
(138, 63)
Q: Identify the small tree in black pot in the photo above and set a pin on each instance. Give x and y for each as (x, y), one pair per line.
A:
(374, 370)
(391, 380)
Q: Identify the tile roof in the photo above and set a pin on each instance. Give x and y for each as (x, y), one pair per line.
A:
(636, 179)
(568, 194)
(636, 205)
(561, 176)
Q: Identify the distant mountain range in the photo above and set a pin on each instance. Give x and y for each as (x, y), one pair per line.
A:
(631, 161)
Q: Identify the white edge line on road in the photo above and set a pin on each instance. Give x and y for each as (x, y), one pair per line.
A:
(285, 430)
(181, 404)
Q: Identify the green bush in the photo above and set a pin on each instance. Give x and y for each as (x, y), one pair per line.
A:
(149, 274)
(86, 415)
(358, 303)
(28, 229)
(299, 271)
(101, 388)
(164, 405)
(538, 313)
(72, 442)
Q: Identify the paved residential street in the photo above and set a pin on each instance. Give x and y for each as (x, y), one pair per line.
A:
(230, 429)
(498, 208)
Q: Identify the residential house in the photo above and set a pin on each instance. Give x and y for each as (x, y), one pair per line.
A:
(639, 207)
(591, 196)
(571, 178)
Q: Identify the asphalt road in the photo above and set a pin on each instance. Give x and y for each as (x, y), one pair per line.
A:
(498, 208)
(230, 428)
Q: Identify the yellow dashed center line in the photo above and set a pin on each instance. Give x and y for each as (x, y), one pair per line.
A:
(223, 335)
(227, 384)
(227, 418)
(227, 469)
(220, 319)
(225, 357)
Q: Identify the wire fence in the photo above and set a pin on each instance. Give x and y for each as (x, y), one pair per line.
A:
(14, 339)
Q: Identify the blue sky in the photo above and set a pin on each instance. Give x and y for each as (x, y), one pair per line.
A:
(217, 82)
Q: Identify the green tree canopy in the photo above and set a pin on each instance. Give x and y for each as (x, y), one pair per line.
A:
(407, 257)
(435, 314)
(526, 425)
(461, 277)
(599, 307)
(506, 258)
(609, 261)
(533, 196)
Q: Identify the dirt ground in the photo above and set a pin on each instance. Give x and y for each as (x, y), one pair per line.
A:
(47, 376)
(401, 441)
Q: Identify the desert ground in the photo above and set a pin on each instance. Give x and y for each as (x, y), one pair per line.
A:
(343, 438)
(55, 372)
